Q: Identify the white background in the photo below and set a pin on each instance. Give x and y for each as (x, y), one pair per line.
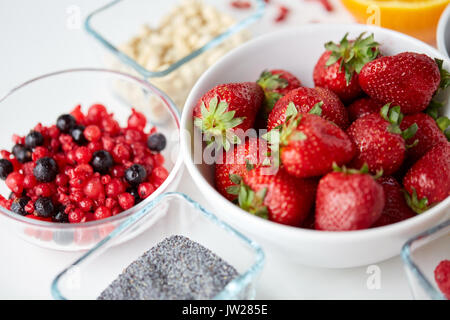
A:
(35, 39)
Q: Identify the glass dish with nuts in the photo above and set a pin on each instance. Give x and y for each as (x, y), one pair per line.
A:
(171, 43)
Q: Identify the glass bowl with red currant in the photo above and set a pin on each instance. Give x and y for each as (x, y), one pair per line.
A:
(78, 156)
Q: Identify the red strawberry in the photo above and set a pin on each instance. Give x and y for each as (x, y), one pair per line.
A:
(362, 107)
(407, 79)
(395, 209)
(379, 140)
(442, 277)
(237, 161)
(348, 200)
(225, 108)
(428, 134)
(428, 180)
(309, 145)
(276, 83)
(278, 197)
(338, 67)
(305, 99)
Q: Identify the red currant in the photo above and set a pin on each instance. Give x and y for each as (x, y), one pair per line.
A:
(126, 200)
(102, 212)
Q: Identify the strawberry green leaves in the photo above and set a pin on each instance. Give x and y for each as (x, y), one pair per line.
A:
(216, 123)
(394, 116)
(270, 82)
(443, 122)
(353, 55)
(418, 205)
(445, 75)
(248, 199)
(364, 170)
(281, 135)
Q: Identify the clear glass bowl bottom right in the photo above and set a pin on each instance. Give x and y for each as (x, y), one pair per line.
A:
(421, 255)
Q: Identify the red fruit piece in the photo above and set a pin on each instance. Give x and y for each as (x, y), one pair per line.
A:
(428, 180)
(283, 13)
(339, 66)
(277, 196)
(238, 161)
(137, 120)
(407, 79)
(348, 200)
(305, 99)
(240, 4)
(309, 144)
(14, 181)
(428, 135)
(362, 107)
(379, 140)
(226, 108)
(276, 84)
(395, 209)
(442, 277)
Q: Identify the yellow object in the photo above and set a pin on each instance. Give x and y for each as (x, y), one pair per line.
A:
(418, 18)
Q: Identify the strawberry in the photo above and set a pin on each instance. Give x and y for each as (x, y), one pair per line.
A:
(348, 199)
(338, 67)
(428, 134)
(308, 145)
(226, 108)
(276, 83)
(407, 79)
(363, 107)
(278, 196)
(442, 277)
(237, 161)
(395, 209)
(305, 99)
(428, 180)
(379, 140)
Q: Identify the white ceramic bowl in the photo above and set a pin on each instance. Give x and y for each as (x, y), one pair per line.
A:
(443, 32)
(297, 50)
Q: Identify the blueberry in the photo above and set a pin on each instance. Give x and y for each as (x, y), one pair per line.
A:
(34, 139)
(102, 161)
(135, 175)
(78, 135)
(134, 192)
(156, 142)
(61, 216)
(44, 207)
(6, 168)
(66, 123)
(45, 170)
(21, 153)
(18, 205)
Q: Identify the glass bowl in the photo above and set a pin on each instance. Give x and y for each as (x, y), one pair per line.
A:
(170, 214)
(177, 77)
(421, 255)
(43, 99)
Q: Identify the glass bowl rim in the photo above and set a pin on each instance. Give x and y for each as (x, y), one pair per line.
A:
(409, 263)
(228, 292)
(169, 105)
(127, 60)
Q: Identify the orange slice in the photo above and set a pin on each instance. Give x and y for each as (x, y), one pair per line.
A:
(418, 18)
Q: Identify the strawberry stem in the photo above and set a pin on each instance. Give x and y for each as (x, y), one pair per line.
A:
(416, 204)
(353, 55)
(445, 75)
(270, 82)
(217, 123)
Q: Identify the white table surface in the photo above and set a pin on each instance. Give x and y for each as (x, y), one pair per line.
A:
(35, 39)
